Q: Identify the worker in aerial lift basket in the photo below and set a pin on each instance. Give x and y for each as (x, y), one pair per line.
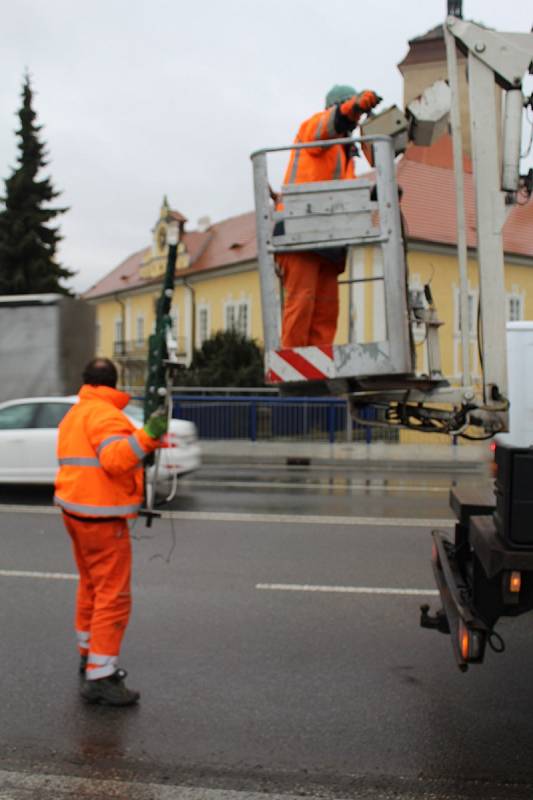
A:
(311, 293)
(99, 486)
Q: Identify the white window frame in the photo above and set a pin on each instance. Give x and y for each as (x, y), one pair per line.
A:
(230, 316)
(244, 307)
(139, 330)
(234, 309)
(514, 297)
(202, 312)
(118, 330)
(419, 329)
(473, 299)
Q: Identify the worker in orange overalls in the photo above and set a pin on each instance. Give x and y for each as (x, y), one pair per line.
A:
(99, 486)
(311, 293)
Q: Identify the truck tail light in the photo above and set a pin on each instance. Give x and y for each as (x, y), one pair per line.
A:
(464, 642)
(470, 643)
(493, 466)
(515, 581)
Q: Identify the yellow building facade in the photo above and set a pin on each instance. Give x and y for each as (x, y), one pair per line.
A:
(207, 301)
(208, 297)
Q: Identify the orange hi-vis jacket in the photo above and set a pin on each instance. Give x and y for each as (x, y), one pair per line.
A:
(100, 455)
(319, 163)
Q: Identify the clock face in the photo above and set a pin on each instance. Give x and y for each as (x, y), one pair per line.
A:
(161, 237)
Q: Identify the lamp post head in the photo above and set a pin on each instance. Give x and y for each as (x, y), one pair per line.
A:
(172, 232)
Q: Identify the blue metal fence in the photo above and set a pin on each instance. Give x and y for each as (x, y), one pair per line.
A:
(269, 418)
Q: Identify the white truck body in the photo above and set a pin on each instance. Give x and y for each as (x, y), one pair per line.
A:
(520, 377)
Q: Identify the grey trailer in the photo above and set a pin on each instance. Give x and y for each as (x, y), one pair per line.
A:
(45, 341)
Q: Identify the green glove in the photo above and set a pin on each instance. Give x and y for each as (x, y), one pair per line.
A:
(157, 424)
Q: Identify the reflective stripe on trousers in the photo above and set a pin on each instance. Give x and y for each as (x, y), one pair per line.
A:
(103, 601)
(100, 666)
(83, 638)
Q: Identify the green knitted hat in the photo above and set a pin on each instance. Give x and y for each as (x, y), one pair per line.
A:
(338, 94)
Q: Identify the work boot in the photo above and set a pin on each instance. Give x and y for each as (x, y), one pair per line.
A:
(83, 664)
(110, 691)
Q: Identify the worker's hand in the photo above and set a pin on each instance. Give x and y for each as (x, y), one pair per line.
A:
(359, 104)
(367, 100)
(350, 109)
(156, 424)
(275, 196)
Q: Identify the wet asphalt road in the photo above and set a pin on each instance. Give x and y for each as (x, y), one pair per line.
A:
(250, 688)
(321, 490)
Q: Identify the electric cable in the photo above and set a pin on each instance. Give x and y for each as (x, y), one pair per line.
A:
(500, 647)
(480, 347)
(173, 541)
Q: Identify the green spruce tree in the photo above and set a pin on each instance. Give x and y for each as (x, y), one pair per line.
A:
(27, 243)
(226, 359)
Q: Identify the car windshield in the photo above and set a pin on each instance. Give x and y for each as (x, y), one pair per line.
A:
(134, 410)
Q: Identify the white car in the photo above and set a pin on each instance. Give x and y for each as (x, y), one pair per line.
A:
(28, 438)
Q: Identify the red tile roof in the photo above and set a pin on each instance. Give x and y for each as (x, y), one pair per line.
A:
(440, 154)
(231, 241)
(423, 49)
(177, 216)
(122, 277)
(429, 47)
(428, 203)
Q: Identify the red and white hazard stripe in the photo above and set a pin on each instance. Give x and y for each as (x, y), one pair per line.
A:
(300, 364)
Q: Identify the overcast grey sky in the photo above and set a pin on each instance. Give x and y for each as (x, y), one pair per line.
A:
(150, 97)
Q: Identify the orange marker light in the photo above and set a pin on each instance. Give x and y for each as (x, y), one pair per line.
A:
(515, 582)
(464, 637)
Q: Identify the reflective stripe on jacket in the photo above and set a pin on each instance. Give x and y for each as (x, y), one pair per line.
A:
(319, 163)
(100, 456)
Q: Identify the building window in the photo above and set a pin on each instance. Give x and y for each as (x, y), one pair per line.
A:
(237, 317)
(230, 317)
(515, 307)
(119, 330)
(472, 313)
(242, 319)
(139, 331)
(118, 342)
(98, 336)
(203, 325)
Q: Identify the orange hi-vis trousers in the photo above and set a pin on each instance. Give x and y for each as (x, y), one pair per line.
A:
(311, 299)
(102, 550)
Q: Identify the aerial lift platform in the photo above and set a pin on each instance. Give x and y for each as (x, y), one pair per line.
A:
(487, 570)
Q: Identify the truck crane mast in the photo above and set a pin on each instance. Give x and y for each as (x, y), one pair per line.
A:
(487, 570)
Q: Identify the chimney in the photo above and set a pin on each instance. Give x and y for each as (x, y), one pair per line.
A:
(203, 224)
